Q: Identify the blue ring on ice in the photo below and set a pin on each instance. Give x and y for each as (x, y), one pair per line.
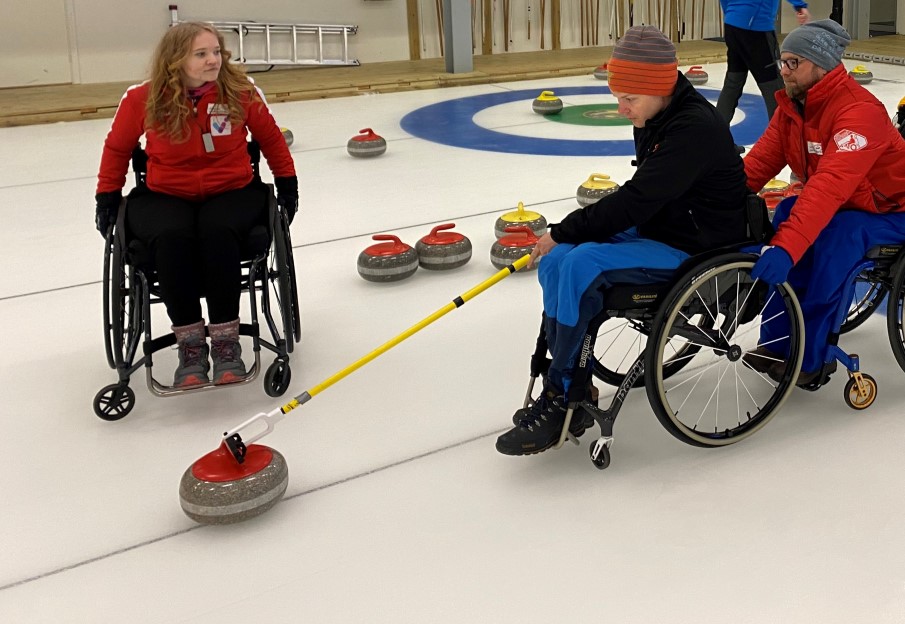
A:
(451, 122)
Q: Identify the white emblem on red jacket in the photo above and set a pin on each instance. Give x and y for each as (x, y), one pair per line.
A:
(849, 141)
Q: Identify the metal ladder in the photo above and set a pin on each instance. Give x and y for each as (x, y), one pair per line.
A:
(261, 43)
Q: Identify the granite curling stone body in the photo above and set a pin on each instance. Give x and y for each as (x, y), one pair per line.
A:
(287, 136)
(519, 240)
(547, 104)
(601, 73)
(520, 216)
(861, 75)
(441, 251)
(696, 75)
(367, 144)
(596, 186)
(773, 192)
(217, 489)
(389, 261)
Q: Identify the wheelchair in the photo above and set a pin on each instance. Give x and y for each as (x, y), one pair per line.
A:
(685, 336)
(130, 289)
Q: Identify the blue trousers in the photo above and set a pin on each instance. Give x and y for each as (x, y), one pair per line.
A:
(572, 278)
(819, 277)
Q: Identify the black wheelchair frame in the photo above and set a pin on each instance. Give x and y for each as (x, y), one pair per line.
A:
(130, 289)
(711, 307)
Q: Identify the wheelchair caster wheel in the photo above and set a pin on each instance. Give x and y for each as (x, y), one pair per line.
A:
(600, 454)
(853, 396)
(276, 379)
(114, 402)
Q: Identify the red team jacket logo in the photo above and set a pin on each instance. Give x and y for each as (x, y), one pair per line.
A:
(848, 141)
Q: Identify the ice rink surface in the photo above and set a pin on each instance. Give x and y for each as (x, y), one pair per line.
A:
(399, 509)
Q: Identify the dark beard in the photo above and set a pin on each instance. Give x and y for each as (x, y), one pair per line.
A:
(795, 92)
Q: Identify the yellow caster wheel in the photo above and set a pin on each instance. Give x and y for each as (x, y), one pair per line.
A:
(862, 397)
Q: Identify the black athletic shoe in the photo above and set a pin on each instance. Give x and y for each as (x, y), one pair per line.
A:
(541, 426)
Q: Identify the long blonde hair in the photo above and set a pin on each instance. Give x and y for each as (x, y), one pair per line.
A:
(167, 110)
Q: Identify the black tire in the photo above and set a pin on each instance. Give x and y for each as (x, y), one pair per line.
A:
(277, 378)
(283, 271)
(689, 407)
(114, 402)
(123, 308)
(894, 317)
(867, 298)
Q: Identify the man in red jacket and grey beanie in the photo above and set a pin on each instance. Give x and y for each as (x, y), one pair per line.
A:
(837, 138)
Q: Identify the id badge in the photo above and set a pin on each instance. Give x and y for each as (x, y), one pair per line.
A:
(208, 141)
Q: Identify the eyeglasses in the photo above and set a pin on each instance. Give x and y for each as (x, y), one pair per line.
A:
(791, 63)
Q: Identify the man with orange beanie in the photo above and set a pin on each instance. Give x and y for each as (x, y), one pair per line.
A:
(687, 196)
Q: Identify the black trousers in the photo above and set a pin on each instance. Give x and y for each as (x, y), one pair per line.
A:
(197, 247)
(752, 51)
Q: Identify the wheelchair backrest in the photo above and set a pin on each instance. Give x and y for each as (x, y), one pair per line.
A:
(760, 230)
(140, 162)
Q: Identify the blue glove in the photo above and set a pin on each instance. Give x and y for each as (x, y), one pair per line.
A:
(773, 267)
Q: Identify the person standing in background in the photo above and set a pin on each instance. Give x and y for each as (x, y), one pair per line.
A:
(751, 48)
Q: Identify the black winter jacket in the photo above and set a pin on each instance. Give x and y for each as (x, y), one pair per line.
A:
(688, 191)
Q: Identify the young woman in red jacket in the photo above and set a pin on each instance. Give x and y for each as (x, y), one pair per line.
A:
(200, 201)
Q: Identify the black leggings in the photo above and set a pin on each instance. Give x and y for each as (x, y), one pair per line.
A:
(197, 247)
(752, 51)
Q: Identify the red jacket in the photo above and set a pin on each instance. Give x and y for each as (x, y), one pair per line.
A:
(186, 169)
(842, 146)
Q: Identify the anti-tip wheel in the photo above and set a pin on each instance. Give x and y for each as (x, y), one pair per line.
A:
(114, 402)
(217, 489)
(853, 397)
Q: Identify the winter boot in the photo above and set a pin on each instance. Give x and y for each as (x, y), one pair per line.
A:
(226, 352)
(193, 353)
(541, 425)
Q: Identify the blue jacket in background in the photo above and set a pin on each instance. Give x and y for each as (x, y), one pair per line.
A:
(758, 15)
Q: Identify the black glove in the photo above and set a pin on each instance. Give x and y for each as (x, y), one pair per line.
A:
(105, 212)
(288, 195)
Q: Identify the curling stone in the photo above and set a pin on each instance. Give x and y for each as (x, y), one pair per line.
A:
(534, 220)
(795, 188)
(601, 73)
(439, 250)
(547, 104)
(217, 489)
(287, 135)
(861, 74)
(518, 241)
(696, 75)
(773, 192)
(366, 144)
(596, 186)
(387, 262)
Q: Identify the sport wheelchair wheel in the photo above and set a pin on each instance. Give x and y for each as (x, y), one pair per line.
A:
(867, 298)
(282, 268)
(895, 315)
(123, 311)
(718, 309)
(620, 341)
